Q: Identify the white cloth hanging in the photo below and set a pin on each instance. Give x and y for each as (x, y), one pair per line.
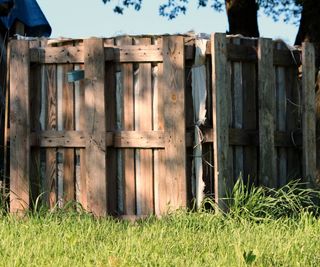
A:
(199, 94)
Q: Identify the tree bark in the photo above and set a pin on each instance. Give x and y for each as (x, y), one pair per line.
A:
(309, 29)
(243, 17)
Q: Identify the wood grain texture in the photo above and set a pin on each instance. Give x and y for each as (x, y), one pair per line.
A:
(95, 125)
(68, 124)
(143, 113)
(75, 54)
(129, 190)
(174, 122)
(308, 117)
(19, 126)
(267, 109)
(160, 155)
(237, 120)
(221, 106)
(249, 75)
(50, 73)
(281, 108)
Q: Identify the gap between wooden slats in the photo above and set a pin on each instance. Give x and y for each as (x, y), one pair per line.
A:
(60, 152)
(293, 121)
(111, 125)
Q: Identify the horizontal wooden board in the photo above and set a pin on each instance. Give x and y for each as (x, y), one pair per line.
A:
(241, 137)
(74, 54)
(59, 139)
(153, 53)
(155, 139)
(139, 139)
(78, 139)
(248, 53)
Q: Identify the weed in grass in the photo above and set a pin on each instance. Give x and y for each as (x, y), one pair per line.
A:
(261, 203)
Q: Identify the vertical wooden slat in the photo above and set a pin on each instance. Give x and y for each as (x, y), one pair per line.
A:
(68, 124)
(160, 155)
(221, 106)
(249, 75)
(174, 180)
(112, 185)
(237, 113)
(308, 113)
(281, 107)
(143, 113)
(36, 82)
(129, 191)
(19, 126)
(95, 125)
(50, 73)
(266, 92)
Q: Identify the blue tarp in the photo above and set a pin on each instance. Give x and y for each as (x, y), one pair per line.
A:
(30, 14)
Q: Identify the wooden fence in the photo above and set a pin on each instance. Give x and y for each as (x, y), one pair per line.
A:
(119, 140)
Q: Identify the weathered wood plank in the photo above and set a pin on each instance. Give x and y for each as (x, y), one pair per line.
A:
(237, 119)
(308, 114)
(159, 155)
(266, 92)
(142, 52)
(138, 139)
(50, 73)
(247, 52)
(68, 124)
(174, 180)
(221, 106)
(74, 54)
(129, 190)
(250, 156)
(94, 124)
(19, 126)
(143, 113)
(281, 107)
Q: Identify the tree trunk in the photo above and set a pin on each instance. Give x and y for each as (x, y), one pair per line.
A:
(243, 17)
(309, 29)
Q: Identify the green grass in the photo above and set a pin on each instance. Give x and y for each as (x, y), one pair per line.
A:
(245, 236)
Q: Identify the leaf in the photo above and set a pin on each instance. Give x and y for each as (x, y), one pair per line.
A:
(249, 257)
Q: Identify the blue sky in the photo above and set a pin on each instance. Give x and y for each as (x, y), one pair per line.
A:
(87, 18)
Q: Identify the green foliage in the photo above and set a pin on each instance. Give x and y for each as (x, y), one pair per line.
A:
(260, 203)
(287, 10)
(179, 239)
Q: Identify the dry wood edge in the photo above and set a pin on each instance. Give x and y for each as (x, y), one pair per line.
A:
(155, 139)
(153, 53)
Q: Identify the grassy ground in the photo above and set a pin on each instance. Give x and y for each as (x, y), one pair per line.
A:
(183, 239)
(245, 237)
